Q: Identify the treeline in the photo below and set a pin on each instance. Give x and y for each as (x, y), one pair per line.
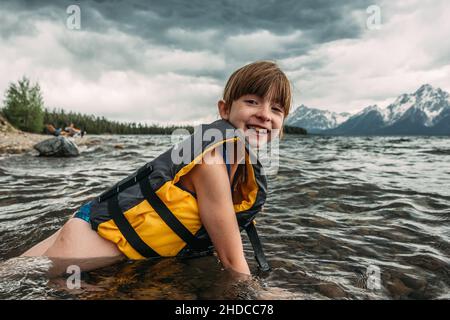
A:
(24, 109)
(100, 125)
(294, 130)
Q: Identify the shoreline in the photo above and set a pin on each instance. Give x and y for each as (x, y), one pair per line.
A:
(18, 142)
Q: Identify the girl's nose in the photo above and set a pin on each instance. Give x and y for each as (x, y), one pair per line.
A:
(264, 112)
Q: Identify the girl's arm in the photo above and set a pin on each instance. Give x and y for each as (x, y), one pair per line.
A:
(212, 187)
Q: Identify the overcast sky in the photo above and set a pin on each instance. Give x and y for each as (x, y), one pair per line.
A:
(167, 61)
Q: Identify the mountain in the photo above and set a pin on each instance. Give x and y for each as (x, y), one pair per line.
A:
(424, 112)
(367, 121)
(315, 120)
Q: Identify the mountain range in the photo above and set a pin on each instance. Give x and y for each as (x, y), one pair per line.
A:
(424, 112)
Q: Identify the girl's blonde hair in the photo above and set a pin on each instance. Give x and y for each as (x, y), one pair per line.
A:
(262, 78)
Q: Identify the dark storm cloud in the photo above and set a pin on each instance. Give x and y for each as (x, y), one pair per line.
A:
(326, 20)
(153, 21)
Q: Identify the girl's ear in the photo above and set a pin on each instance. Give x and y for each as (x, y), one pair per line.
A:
(223, 110)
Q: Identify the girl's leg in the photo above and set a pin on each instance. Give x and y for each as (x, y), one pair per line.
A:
(76, 244)
(40, 248)
(77, 240)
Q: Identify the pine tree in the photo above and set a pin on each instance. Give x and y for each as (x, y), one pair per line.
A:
(23, 106)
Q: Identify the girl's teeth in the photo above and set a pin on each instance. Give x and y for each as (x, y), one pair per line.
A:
(258, 130)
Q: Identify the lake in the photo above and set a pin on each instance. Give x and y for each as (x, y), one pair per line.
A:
(345, 217)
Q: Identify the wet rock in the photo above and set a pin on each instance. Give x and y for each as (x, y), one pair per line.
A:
(331, 290)
(320, 222)
(119, 146)
(398, 289)
(57, 147)
(334, 206)
(364, 231)
(334, 254)
(311, 193)
(427, 262)
(413, 282)
(91, 142)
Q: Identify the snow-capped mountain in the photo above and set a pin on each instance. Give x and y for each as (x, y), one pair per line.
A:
(315, 120)
(427, 100)
(426, 111)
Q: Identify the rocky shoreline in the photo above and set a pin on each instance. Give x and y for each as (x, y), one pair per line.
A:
(13, 141)
(21, 142)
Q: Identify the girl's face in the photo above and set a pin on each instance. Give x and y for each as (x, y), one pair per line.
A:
(260, 119)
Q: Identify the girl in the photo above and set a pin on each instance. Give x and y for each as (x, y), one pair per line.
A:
(180, 204)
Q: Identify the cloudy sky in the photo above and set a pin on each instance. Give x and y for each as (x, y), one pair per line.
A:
(167, 61)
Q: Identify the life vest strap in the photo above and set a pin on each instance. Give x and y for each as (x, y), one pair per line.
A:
(141, 173)
(225, 159)
(257, 247)
(170, 219)
(127, 230)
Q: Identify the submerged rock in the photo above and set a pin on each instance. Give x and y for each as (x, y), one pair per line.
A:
(398, 289)
(331, 290)
(57, 147)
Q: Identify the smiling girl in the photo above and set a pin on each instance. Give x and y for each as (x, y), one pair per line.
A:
(190, 207)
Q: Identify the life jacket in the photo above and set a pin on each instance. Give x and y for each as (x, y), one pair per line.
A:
(148, 214)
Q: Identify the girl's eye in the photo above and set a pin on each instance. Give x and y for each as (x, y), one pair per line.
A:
(251, 101)
(277, 109)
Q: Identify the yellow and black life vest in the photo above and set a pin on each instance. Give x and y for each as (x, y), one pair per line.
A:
(148, 214)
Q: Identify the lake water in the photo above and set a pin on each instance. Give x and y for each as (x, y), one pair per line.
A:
(345, 217)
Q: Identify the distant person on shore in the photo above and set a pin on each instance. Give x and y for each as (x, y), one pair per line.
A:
(72, 131)
(55, 131)
(69, 131)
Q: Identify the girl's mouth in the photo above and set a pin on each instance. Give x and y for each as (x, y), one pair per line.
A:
(258, 130)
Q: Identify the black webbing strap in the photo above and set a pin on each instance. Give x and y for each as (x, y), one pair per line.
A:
(127, 230)
(257, 247)
(169, 218)
(141, 173)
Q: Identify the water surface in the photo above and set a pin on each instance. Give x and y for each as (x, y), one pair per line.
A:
(338, 206)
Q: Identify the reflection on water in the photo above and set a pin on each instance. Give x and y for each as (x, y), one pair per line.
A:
(338, 207)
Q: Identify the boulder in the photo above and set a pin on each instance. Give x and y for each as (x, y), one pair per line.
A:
(57, 147)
